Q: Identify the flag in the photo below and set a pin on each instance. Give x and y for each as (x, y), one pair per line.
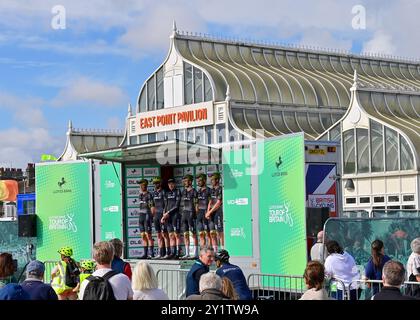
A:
(48, 157)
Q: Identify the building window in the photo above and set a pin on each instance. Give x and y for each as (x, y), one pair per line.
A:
(152, 137)
(378, 199)
(159, 90)
(198, 85)
(391, 149)
(190, 135)
(362, 150)
(160, 136)
(364, 200)
(221, 134)
(208, 94)
(170, 135)
(348, 151)
(408, 197)
(199, 135)
(409, 207)
(350, 200)
(143, 100)
(209, 134)
(407, 158)
(143, 138)
(394, 207)
(335, 133)
(393, 198)
(377, 147)
(188, 88)
(133, 140)
(181, 134)
(151, 94)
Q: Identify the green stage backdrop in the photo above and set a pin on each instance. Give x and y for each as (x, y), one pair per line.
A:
(282, 205)
(237, 203)
(63, 206)
(111, 213)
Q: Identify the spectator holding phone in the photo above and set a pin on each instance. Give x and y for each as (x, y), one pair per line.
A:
(7, 269)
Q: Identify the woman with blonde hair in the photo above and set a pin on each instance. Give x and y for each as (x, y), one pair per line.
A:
(145, 283)
(228, 289)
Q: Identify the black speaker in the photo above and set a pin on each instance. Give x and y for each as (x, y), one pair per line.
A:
(315, 219)
(27, 225)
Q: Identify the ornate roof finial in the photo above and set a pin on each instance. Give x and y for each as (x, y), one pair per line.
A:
(129, 110)
(174, 29)
(355, 79)
(70, 125)
(227, 93)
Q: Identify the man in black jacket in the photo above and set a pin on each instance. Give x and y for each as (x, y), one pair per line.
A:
(393, 276)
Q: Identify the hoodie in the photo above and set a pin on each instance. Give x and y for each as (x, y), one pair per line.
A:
(342, 267)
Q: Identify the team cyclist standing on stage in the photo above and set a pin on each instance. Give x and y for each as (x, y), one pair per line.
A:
(190, 212)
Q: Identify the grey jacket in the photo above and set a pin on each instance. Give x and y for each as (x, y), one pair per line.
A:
(208, 294)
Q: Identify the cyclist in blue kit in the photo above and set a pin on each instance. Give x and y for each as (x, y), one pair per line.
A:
(171, 220)
(146, 204)
(159, 200)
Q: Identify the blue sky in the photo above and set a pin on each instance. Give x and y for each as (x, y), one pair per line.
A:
(90, 71)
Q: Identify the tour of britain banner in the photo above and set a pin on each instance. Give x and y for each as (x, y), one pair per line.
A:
(281, 163)
(111, 201)
(63, 206)
(237, 202)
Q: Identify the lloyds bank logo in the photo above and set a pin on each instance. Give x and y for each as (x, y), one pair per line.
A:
(61, 184)
(278, 164)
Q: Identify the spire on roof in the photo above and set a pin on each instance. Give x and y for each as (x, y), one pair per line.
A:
(227, 93)
(355, 79)
(174, 29)
(70, 125)
(129, 110)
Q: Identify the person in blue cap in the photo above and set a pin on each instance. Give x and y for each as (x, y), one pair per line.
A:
(34, 284)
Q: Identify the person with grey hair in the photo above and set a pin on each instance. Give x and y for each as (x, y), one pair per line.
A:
(34, 284)
(200, 267)
(413, 269)
(118, 264)
(210, 288)
(393, 275)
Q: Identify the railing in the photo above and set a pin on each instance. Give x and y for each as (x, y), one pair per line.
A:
(173, 282)
(368, 288)
(49, 266)
(282, 287)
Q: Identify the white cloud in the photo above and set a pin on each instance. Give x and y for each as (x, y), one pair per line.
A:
(380, 43)
(143, 26)
(20, 147)
(90, 93)
(26, 111)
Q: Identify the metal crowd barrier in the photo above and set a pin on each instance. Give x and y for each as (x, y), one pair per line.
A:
(282, 287)
(173, 282)
(49, 266)
(276, 287)
(370, 287)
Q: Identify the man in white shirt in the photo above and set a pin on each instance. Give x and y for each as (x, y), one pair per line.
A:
(103, 253)
(319, 250)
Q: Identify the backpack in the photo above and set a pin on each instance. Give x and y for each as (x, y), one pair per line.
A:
(99, 288)
(72, 274)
